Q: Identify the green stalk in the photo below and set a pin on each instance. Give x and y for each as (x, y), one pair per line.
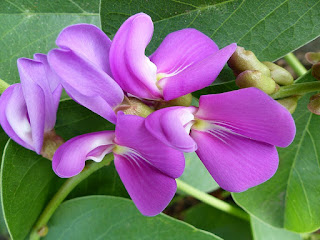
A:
(296, 89)
(3, 86)
(296, 65)
(212, 201)
(40, 229)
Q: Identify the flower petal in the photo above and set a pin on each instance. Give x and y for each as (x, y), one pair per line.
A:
(236, 163)
(38, 98)
(131, 132)
(181, 49)
(252, 113)
(170, 126)
(14, 116)
(89, 42)
(197, 76)
(150, 189)
(86, 84)
(69, 159)
(52, 77)
(132, 70)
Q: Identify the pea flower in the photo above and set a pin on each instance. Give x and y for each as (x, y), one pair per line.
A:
(28, 109)
(146, 166)
(186, 61)
(233, 133)
(82, 62)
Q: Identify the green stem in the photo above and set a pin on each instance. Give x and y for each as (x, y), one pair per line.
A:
(296, 89)
(212, 201)
(40, 228)
(296, 65)
(3, 86)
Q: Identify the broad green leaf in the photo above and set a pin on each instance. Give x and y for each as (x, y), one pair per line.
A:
(28, 27)
(263, 231)
(269, 28)
(197, 175)
(28, 182)
(220, 223)
(106, 217)
(290, 199)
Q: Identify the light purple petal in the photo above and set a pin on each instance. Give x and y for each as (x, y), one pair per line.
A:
(38, 99)
(250, 112)
(181, 49)
(133, 71)
(236, 163)
(53, 79)
(132, 133)
(14, 117)
(172, 126)
(89, 42)
(150, 189)
(86, 84)
(197, 76)
(69, 159)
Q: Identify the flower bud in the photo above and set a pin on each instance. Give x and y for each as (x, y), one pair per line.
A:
(290, 103)
(243, 60)
(134, 106)
(316, 71)
(314, 104)
(280, 75)
(258, 80)
(185, 101)
(313, 57)
(51, 142)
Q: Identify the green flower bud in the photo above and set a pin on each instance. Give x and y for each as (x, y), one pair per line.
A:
(180, 101)
(134, 106)
(51, 142)
(243, 60)
(314, 104)
(258, 80)
(280, 75)
(290, 103)
(316, 71)
(313, 57)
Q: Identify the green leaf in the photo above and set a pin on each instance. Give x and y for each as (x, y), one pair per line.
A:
(290, 199)
(3, 140)
(220, 223)
(196, 175)
(263, 231)
(28, 181)
(106, 217)
(271, 28)
(28, 27)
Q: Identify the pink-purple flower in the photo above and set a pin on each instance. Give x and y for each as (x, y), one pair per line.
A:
(28, 109)
(146, 166)
(233, 133)
(186, 60)
(82, 62)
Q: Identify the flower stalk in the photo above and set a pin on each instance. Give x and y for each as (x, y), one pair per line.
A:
(3, 86)
(212, 201)
(40, 228)
(296, 65)
(296, 89)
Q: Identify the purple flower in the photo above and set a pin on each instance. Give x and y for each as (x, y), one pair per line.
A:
(146, 166)
(186, 61)
(83, 66)
(233, 133)
(28, 109)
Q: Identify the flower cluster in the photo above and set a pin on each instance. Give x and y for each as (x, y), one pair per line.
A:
(233, 133)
